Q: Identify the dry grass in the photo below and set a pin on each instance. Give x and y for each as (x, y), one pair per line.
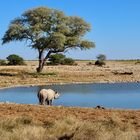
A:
(68, 128)
(26, 75)
(21, 128)
(27, 122)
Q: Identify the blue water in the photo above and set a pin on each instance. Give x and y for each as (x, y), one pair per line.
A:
(118, 95)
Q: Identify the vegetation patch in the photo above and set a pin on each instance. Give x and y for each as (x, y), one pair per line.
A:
(60, 59)
(100, 60)
(35, 74)
(3, 62)
(11, 72)
(67, 128)
(15, 60)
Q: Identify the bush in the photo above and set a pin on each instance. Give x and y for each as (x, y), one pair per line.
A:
(2, 62)
(57, 59)
(101, 57)
(15, 60)
(99, 63)
(68, 61)
(137, 62)
(100, 60)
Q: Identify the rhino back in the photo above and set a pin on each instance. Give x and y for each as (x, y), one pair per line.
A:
(47, 94)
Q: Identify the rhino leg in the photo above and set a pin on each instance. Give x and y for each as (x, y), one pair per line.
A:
(48, 102)
(40, 99)
(43, 101)
(51, 102)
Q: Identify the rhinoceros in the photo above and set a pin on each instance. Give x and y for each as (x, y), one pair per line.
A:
(47, 96)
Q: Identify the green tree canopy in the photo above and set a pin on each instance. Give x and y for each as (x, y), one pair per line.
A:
(14, 59)
(48, 31)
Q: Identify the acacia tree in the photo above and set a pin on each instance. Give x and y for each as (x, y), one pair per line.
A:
(48, 31)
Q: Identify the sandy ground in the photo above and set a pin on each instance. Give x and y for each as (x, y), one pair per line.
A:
(114, 71)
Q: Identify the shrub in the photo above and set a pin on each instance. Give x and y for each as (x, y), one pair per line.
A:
(57, 59)
(137, 62)
(2, 62)
(68, 61)
(100, 60)
(99, 63)
(15, 60)
(101, 57)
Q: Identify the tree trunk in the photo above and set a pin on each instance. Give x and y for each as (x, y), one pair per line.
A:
(42, 61)
(40, 66)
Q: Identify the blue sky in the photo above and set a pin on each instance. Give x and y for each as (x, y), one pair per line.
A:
(115, 26)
